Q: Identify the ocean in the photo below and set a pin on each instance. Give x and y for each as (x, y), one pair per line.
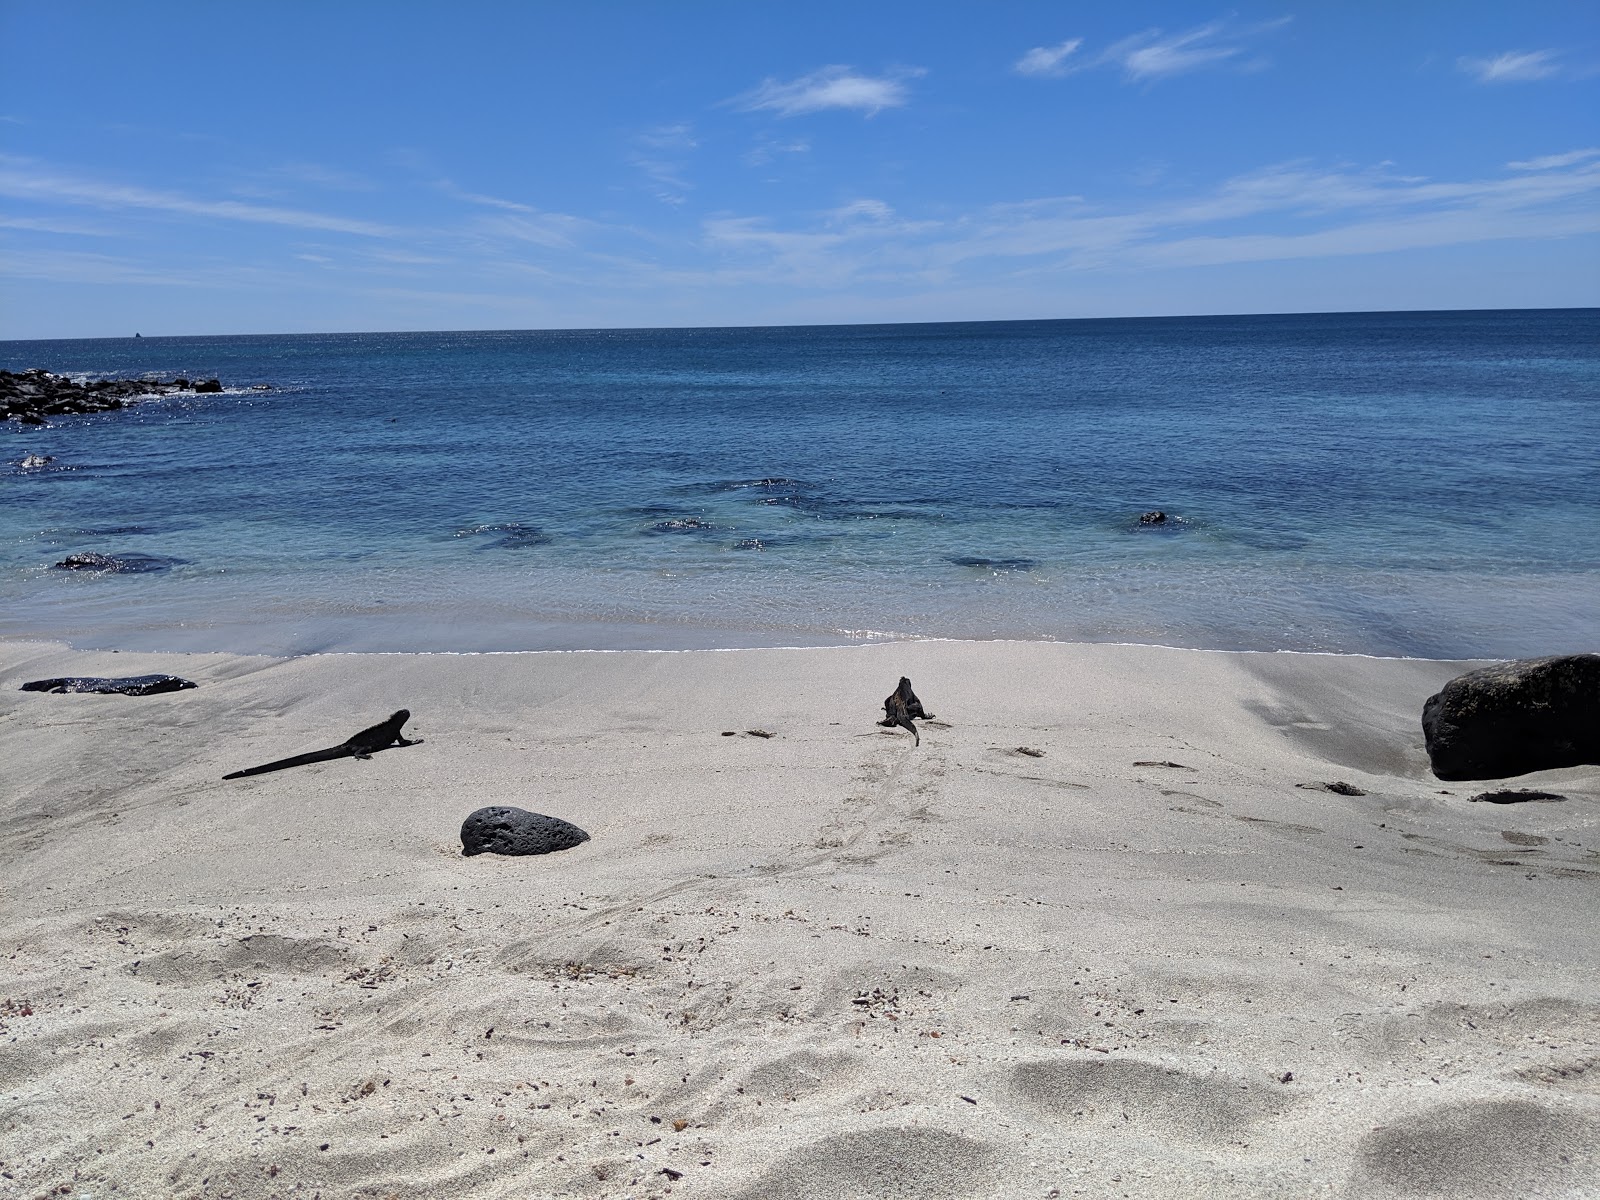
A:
(1418, 484)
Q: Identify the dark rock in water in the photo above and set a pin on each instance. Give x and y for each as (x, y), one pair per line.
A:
(32, 462)
(126, 564)
(682, 525)
(502, 830)
(1532, 714)
(995, 564)
(36, 394)
(1519, 796)
(750, 544)
(1155, 517)
(513, 535)
(132, 685)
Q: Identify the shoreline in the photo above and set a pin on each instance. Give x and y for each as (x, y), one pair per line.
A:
(1103, 929)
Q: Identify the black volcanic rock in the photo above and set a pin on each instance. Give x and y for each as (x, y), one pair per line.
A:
(131, 685)
(1531, 714)
(500, 829)
(36, 394)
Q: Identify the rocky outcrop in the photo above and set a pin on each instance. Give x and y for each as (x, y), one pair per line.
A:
(501, 829)
(1533, 714)
(34, 396)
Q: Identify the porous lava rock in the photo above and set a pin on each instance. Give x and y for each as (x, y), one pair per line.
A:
(130, 685)
(500, 829)
(1531, 714)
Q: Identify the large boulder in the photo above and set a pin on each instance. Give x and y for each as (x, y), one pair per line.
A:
(1534, 714)
(501, 829)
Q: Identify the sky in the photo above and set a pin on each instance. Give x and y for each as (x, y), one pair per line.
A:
(285, 166)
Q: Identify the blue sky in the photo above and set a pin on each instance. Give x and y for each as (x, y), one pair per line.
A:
(281, 167)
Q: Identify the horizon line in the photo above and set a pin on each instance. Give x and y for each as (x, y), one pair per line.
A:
(128, 337)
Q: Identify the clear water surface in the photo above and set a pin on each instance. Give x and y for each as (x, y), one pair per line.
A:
(1391, 483)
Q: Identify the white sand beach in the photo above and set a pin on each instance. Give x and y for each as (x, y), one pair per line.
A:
(1142, 962)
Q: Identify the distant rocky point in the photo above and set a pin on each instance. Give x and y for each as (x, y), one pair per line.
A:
(33, 396)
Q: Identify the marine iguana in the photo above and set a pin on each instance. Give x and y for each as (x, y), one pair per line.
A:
(362, 745)
(900, 706)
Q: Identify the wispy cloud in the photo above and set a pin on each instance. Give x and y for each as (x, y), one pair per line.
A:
(1156, 54)
(661, 153)
(1553, 161)
(1283, 212)
(449, 188)
(830, 87)
(1047, 60)
(25, 180)
(1514, 66)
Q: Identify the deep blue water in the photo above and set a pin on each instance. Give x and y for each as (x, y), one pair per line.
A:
(1391, 483)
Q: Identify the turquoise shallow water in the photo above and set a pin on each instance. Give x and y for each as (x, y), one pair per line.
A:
(1399, 483)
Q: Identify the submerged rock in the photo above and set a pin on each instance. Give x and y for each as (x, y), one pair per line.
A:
(126, 564)
(995, 564)
(1532, 714)
(500, 829)
(682, 525)
(512, 535)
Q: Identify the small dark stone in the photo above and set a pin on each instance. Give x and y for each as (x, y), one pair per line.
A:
(503, 830)
(1154, 517)
(132, 685)
(1532, 714)
(208, 385)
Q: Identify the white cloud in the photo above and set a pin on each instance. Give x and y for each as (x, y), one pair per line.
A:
(24, 180)
(1155, 54)
(870, 210)
(830, 87)
(1553, 161)
(1284, 212)
(1047, 60)
(1514, 66)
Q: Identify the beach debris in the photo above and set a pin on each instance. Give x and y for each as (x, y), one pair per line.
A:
(500, 829)
(1531, 714)
(1338, 787)
(1030, 751)
(1151, 762)
(131, 685)
(361, 745)
(901, 706)
(760, 733)
(121, 564)
(730, 733)
(1519, 796)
